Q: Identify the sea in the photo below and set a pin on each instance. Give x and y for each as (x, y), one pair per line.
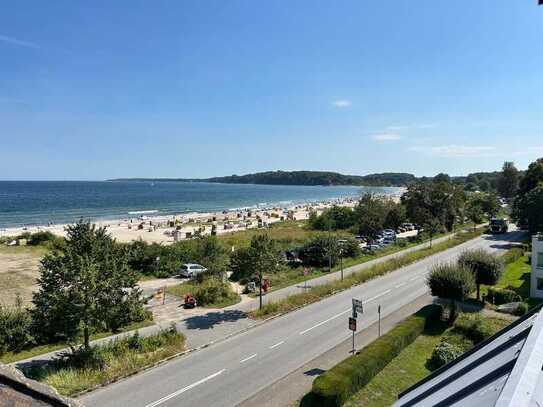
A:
(31, 203)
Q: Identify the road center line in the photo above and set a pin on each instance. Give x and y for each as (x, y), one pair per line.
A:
(249, 358)
(184, 389)
(325, 321)
(277, 344)
(377, 296)
(400, 285)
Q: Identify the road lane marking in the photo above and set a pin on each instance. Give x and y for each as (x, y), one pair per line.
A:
(414, 278)
(249, 358)
(277, 344)
(344, 312)
(377, 296)
(184, 389)
(400, 285)
(325, 321)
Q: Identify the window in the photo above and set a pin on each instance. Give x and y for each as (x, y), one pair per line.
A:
(539, 264)
(540, 283)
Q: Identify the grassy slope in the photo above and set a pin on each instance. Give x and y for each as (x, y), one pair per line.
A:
(11, 357)
(410, 366)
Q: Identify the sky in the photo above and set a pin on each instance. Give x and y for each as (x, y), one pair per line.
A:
(107, 89)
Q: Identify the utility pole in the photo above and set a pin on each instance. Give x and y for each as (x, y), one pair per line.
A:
(330, 245)
(260, 286)
(379, 311)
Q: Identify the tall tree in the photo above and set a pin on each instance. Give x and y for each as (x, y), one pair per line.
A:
(370, 214)
(532, 177)
(85, 285)
(508, 180)
(528, 209)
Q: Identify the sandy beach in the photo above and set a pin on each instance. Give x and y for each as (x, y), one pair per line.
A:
(168, 229)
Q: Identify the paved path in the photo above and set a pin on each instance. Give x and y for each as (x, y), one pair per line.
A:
(235, 369)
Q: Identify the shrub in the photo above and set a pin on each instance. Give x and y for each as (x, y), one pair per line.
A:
(450, 281)
(500, 296)
(513, 255)
(212, 291)
(474, 327)
(338, 384)
(443, 353)
(521, 309)
(486, 267)
(15, 328)
(350, 248)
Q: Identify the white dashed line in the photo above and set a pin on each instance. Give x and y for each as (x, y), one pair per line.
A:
(277, 344)
(249, 358)
(324, 322)
(184, 389)
(400, 285)
(377, 296)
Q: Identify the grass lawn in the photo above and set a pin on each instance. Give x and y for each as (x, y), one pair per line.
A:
(409, 366)
(288, 234)
(11, 357)
(181, 290)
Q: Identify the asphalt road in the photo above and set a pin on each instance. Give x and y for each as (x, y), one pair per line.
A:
(233, 370)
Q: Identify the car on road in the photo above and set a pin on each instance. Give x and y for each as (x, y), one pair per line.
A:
(190, 270)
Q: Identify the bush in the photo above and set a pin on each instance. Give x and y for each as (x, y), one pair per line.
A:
(513, 255)
(450, 281)
(15, 328)
(338, 384)
(500, 296)
(486, 267)
(521, 309)
(350, 248)
(443, 353)
(213, 291)
(474, 327)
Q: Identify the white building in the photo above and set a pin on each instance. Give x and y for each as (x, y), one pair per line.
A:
(536, 286)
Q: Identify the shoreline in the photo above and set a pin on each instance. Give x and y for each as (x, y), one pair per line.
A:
(152, 227)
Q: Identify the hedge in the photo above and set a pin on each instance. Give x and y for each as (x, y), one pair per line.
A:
(500, 296)
(337, 385)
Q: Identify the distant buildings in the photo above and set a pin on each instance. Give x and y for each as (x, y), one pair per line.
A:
(536, 285)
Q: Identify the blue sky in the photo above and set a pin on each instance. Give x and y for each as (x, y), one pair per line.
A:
(104, 89)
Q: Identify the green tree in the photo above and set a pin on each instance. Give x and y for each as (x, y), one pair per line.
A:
(263, 256)
(528, 209)
(395, 216)
(474, 212)
(84, 286)
(370, 214)
(451, 281)
(508, 180)
(211, 254)
(532, 177)
(439, 200)
(321, 251)
(486, 267)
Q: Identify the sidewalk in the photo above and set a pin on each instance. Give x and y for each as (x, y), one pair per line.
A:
(203, 326)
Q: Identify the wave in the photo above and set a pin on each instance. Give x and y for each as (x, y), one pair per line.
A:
(143, 212)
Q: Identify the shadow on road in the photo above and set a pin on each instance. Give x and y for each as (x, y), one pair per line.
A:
(211, 319)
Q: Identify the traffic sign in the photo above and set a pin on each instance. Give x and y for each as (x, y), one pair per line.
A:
(358, 306)
(352, 324)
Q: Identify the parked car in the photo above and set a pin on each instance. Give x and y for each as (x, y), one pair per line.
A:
(190, 270)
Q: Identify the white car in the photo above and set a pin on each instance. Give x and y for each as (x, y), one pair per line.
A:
(190, 270)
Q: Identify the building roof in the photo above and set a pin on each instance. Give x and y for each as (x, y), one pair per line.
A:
(18, 391)
(503, 371)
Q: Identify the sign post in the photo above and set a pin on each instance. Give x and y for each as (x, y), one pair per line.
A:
(358, 307)
(379, 312)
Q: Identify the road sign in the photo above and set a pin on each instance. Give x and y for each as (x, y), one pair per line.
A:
(358, 306)
(352, 324)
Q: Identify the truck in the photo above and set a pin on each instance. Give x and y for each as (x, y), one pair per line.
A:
(499, 225)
